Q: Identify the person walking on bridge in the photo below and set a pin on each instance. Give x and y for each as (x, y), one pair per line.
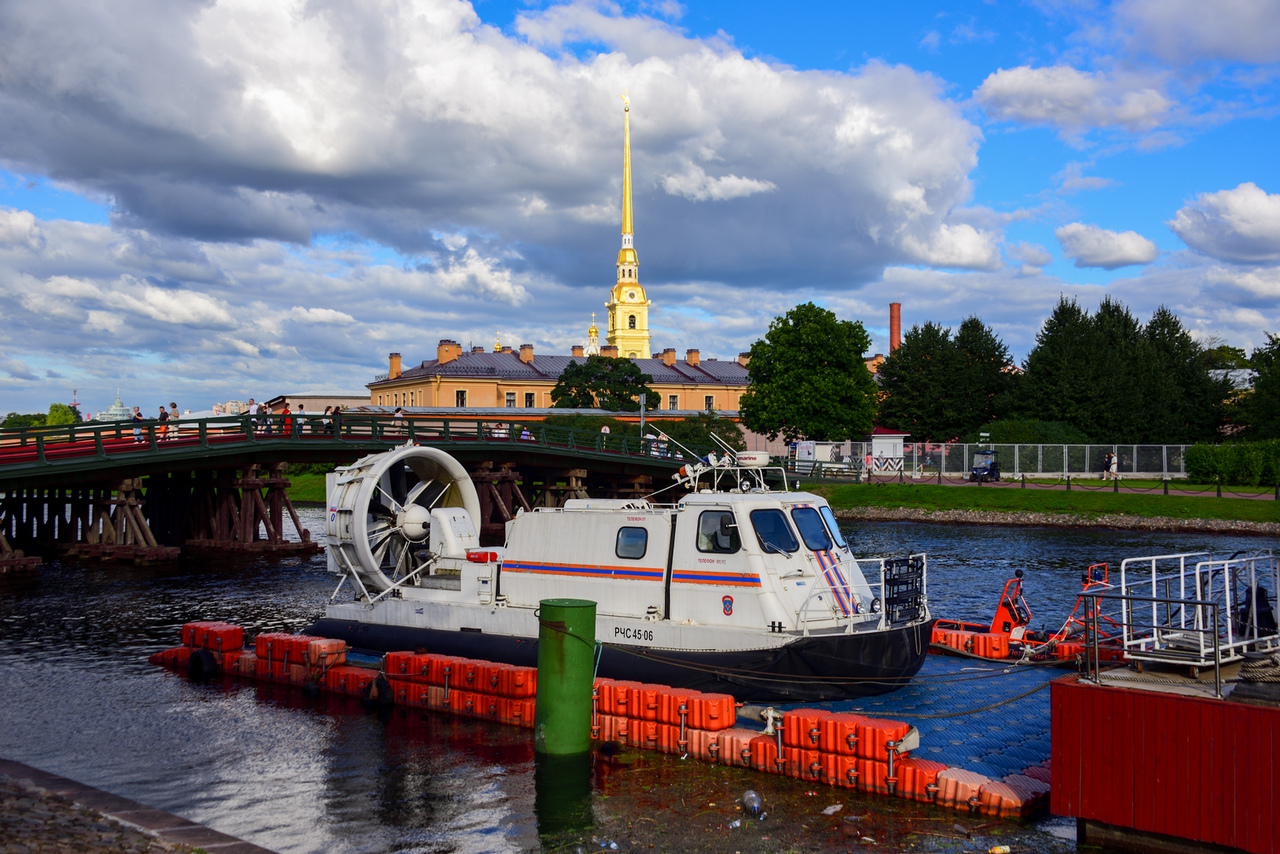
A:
(137, 425)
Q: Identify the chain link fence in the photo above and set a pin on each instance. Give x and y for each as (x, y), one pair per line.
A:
(922, 459)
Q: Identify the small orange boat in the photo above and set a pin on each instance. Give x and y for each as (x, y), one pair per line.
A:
(1009, 637)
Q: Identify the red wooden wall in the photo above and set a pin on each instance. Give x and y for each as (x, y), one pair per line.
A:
(1204, 770)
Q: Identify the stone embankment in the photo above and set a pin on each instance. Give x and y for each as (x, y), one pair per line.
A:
(1059, 520)
(42, 813)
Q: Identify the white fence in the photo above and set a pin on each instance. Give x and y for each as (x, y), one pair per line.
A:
(923, 459)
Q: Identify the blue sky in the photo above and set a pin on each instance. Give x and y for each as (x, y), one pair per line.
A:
(255, 197)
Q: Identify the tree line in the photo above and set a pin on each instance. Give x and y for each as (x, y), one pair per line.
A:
(1100, 376)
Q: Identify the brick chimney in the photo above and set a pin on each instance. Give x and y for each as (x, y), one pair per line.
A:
(477, 349)
(669, 356)
(895, 326)
(576, 351)
(609, 350)
(744, 359)
(526, 353)
(394, 372)
(691, 356)
(447, 351)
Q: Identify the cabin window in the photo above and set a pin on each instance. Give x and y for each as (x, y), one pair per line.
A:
(811, 528)
(717, 532)
(632, 543)
(834, 527)
(773, 531)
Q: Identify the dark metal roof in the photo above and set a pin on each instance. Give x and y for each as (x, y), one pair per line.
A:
(548, 369)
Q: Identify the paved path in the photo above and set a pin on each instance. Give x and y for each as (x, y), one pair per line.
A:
(42, 812)
(1085, 484)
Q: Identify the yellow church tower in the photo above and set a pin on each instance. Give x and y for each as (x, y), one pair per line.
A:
(628, 307)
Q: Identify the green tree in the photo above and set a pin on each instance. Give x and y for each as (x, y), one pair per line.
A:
(1221, 357)
(694, 431)
(1055, 387)
(1115, 380)
(915, 383)
(59, 414)
(807, 378)
(15, 420)
(1260, 408)
(602, 382)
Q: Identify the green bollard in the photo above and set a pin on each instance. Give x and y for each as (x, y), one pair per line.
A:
(566, 673)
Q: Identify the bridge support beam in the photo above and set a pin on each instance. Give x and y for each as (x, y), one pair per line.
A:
(500, 498)
(243, 511)
(97, 523)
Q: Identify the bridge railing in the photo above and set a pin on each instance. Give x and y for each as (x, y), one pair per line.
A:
(100, 438)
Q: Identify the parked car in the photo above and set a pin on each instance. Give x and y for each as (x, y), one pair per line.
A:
(986, 466)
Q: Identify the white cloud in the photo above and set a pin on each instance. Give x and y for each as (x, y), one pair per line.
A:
(1092, 246)
(18, 228)
(1032, 255)
(696, 185)
(1073, 180)
(959, 245)
(320, 315)
(1071, 100)
(1182, 31)
(1241, 225)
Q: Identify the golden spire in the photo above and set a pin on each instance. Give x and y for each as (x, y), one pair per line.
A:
(497, 343)
(626, 165)
(593, 331)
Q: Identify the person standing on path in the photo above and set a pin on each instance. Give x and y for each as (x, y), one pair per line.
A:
(1113, 465)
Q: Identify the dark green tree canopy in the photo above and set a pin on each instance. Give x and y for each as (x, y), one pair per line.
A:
(937, 388)
(602, 382)
(1116, 380)
(1260, 408)
(808, 378)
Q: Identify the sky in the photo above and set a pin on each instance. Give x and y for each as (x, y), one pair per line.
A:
(203, 201)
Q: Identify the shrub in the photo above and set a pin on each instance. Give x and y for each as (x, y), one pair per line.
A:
(1237, 463)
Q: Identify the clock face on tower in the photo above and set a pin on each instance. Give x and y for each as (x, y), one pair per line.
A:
(631, 294)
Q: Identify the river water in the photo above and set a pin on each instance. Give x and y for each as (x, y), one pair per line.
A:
(321, 775)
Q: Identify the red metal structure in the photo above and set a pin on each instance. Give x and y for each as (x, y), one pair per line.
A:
(1137, 765)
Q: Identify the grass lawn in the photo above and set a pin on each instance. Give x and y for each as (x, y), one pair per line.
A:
(1080, 502)
(306, 487)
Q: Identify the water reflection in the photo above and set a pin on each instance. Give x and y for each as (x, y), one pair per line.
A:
(321, 775)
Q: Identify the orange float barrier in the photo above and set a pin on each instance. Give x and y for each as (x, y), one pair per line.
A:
(441, 669)
(762, 751)
(839, 733)
(247, 664)
(959, 788)
(840, 770)
(642, 701)
(326, 652)
(872, 775)
(466, 674)
(614, 727)
(735, 746)
(990, 645)
(1032, 794)
(516, 712)
(1068, 651)
(1038, 772)
(518, 682)
(348, 680)
(642, 733)
(193, 633)
(873, 733)
(674, 705)
(399, 665)
(918, 779)
(492, 673)
(704, 744)
(613, 695)
(957, 640)
(230, 660)
(1000, 799)
(712, 711)
(803, 728)
(803, 764)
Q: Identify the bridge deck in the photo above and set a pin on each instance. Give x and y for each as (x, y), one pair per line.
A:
(83, 453)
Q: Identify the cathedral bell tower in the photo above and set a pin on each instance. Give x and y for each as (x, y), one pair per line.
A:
(628, 306)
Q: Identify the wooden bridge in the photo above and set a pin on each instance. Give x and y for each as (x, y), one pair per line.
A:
(115, 491)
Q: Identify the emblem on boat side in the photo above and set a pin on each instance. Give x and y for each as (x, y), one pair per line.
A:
(728, 606)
